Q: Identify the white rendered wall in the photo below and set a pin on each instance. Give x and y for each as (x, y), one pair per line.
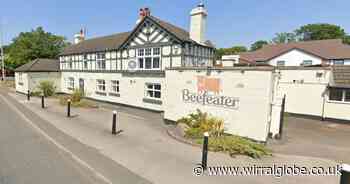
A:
(304, 91)
(132, 89)
(32, 80)
(295, 58)
(22, 88)
(253, 88)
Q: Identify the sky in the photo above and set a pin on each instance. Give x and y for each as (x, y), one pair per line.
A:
(230, 22)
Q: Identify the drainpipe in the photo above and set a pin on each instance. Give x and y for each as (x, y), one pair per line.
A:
(324, 103)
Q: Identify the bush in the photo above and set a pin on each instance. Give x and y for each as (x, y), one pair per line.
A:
(47, 87)
(63, 100)
(35, 93)
(200, 122)
(77, 96)
(235, 145)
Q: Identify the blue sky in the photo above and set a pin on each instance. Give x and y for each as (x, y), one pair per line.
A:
(230, 22)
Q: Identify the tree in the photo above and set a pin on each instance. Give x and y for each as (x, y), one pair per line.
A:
(258, 45)
(320, 32)
(346, 39)
(284, 38)
(28, 46)
(229, 51)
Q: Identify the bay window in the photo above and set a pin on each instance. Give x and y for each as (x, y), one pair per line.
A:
(149, 58)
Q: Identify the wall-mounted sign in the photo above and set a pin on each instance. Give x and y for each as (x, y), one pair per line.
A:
(207, 99)
(208, 93)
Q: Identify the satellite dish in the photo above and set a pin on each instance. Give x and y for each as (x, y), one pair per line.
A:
(132, 65)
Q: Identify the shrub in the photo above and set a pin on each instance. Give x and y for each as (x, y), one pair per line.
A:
(235, 145)
(47, 87)
(63, 100)
(35, 93)
(77, 95)
(200, 122)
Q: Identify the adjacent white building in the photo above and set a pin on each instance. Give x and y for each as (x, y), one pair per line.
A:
(320, 52)
(29, 75)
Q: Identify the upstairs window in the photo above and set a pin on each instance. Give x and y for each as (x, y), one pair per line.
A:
(101, 61)
(307, 63)
(85, 62)
(281, 63)
(338, 62)
(149, 58)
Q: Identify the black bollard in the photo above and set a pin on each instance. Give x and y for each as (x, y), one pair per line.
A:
(205, 151)
(345, 174)
(114, 123)
(42, 101)
(68, 108)
(28, 95)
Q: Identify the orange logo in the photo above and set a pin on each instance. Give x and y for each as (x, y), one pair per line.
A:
(205, 84)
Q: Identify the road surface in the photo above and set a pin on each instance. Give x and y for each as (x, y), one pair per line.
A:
(28, 157)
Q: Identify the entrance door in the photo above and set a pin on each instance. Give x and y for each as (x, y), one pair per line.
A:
(81, 85)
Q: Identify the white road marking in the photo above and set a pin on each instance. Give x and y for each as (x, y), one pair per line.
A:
(60, 146)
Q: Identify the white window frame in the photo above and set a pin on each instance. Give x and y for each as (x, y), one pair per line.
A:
(70, 83)
(343, 100)
(20, 79)
(342, 62)
(153, 90)
(115, 84)
(153, 54)
(101, 83)
(304, 61)
(101, 61)
(278, 63)
(85, 61)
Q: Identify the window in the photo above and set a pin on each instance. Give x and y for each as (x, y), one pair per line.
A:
(347, 95)
(153, 90)
(307, 63)
(338, 62)
(281, 63)
(149, 58)
(70, 83)
(341, 95)
(101, 85)
(85, 62)
(115, 86)
(101, 61)
(20, 79)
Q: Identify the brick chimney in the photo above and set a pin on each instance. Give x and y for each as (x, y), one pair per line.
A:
(79, 37)
(143, 12)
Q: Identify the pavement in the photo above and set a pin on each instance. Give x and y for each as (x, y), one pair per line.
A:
(27, 156)
(146, 150)
(314, 138)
